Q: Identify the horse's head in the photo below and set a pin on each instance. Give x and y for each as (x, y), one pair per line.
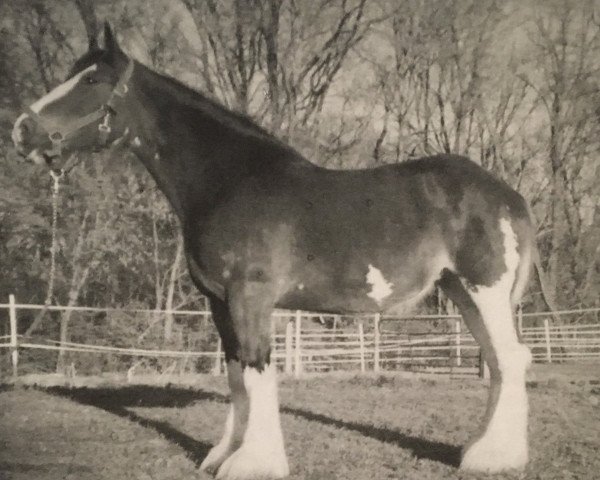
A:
(80, 114)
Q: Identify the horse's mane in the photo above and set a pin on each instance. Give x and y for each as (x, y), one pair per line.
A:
(191, 98)
(195, 99)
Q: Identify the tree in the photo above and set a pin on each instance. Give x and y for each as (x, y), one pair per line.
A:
(566, 40)
(348, 83)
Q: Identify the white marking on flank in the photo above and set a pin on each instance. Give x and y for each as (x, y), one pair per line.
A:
(137, 142)
(156, 156)
(60, 91)
(301, 286)
(504, 442)
(380, 287)
(262, 453)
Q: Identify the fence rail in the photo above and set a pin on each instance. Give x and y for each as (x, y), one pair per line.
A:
(361, 343)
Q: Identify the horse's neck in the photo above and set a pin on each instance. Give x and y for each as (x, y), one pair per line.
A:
(182, 142)
(167, 137)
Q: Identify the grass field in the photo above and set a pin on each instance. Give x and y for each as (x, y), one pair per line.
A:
(343, 427)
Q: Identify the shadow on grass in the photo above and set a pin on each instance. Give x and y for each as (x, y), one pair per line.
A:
(116, 400)
(5, 387)
(420, 447)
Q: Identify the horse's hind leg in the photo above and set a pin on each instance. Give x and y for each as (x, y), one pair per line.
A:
(237, 417)
(261, 453)
(502, 441)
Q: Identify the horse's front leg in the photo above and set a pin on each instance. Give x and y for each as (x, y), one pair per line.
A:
(237, 418)
(261, 453)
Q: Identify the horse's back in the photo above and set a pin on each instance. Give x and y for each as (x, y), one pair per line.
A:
(321, 234)
(402, 224)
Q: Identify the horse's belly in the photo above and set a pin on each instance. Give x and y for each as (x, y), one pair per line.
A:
(334, 298)
(363, 284)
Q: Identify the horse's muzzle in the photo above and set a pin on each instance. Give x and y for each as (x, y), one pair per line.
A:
(31, 142)
(22, 131)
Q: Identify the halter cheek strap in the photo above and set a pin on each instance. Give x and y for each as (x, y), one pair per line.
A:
(58, 134)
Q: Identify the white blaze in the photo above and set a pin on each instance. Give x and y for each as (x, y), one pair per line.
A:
(61, 90)
(380, 287)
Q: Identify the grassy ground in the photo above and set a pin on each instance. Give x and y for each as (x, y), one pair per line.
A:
(344, 427)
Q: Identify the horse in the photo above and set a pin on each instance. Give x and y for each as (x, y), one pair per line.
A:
(265, 228)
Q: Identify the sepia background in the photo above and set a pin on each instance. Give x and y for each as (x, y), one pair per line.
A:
(514, 85)
(349, 83)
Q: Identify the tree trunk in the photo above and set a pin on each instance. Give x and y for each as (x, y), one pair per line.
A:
(76, 286)
(78, 280)
(88, 16)
(169, 318)
(270, 32)
(557, 219)
(158, 285)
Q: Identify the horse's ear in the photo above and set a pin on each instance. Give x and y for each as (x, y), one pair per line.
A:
(110, 42)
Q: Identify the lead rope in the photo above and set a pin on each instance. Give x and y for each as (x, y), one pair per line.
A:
(55, 195)
(50, 292)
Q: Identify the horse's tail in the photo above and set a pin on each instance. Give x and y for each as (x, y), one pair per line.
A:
(530, 259)
(528, 254)
(548, 300)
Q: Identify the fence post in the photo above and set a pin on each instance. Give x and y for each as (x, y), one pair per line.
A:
(14, 346)
(297, 353)
(376, 341)
(547, 335)
(457, 331)
(217, 367)
(288, 348)
(361, 341)
(520, 320)
(336, 321)
(484, 371)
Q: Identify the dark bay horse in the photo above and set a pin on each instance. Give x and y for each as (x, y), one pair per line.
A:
(265, 228)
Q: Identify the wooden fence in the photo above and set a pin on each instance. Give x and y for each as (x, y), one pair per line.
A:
(309, 342)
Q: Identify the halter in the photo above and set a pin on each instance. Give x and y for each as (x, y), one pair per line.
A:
(58, 134)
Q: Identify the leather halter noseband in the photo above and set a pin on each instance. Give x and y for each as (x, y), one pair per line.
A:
(58, 134)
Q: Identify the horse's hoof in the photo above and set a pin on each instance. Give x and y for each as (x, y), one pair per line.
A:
(247, 463)
(216, 456)
(483, 456)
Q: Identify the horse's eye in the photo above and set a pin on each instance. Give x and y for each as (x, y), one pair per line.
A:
(90, 80)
